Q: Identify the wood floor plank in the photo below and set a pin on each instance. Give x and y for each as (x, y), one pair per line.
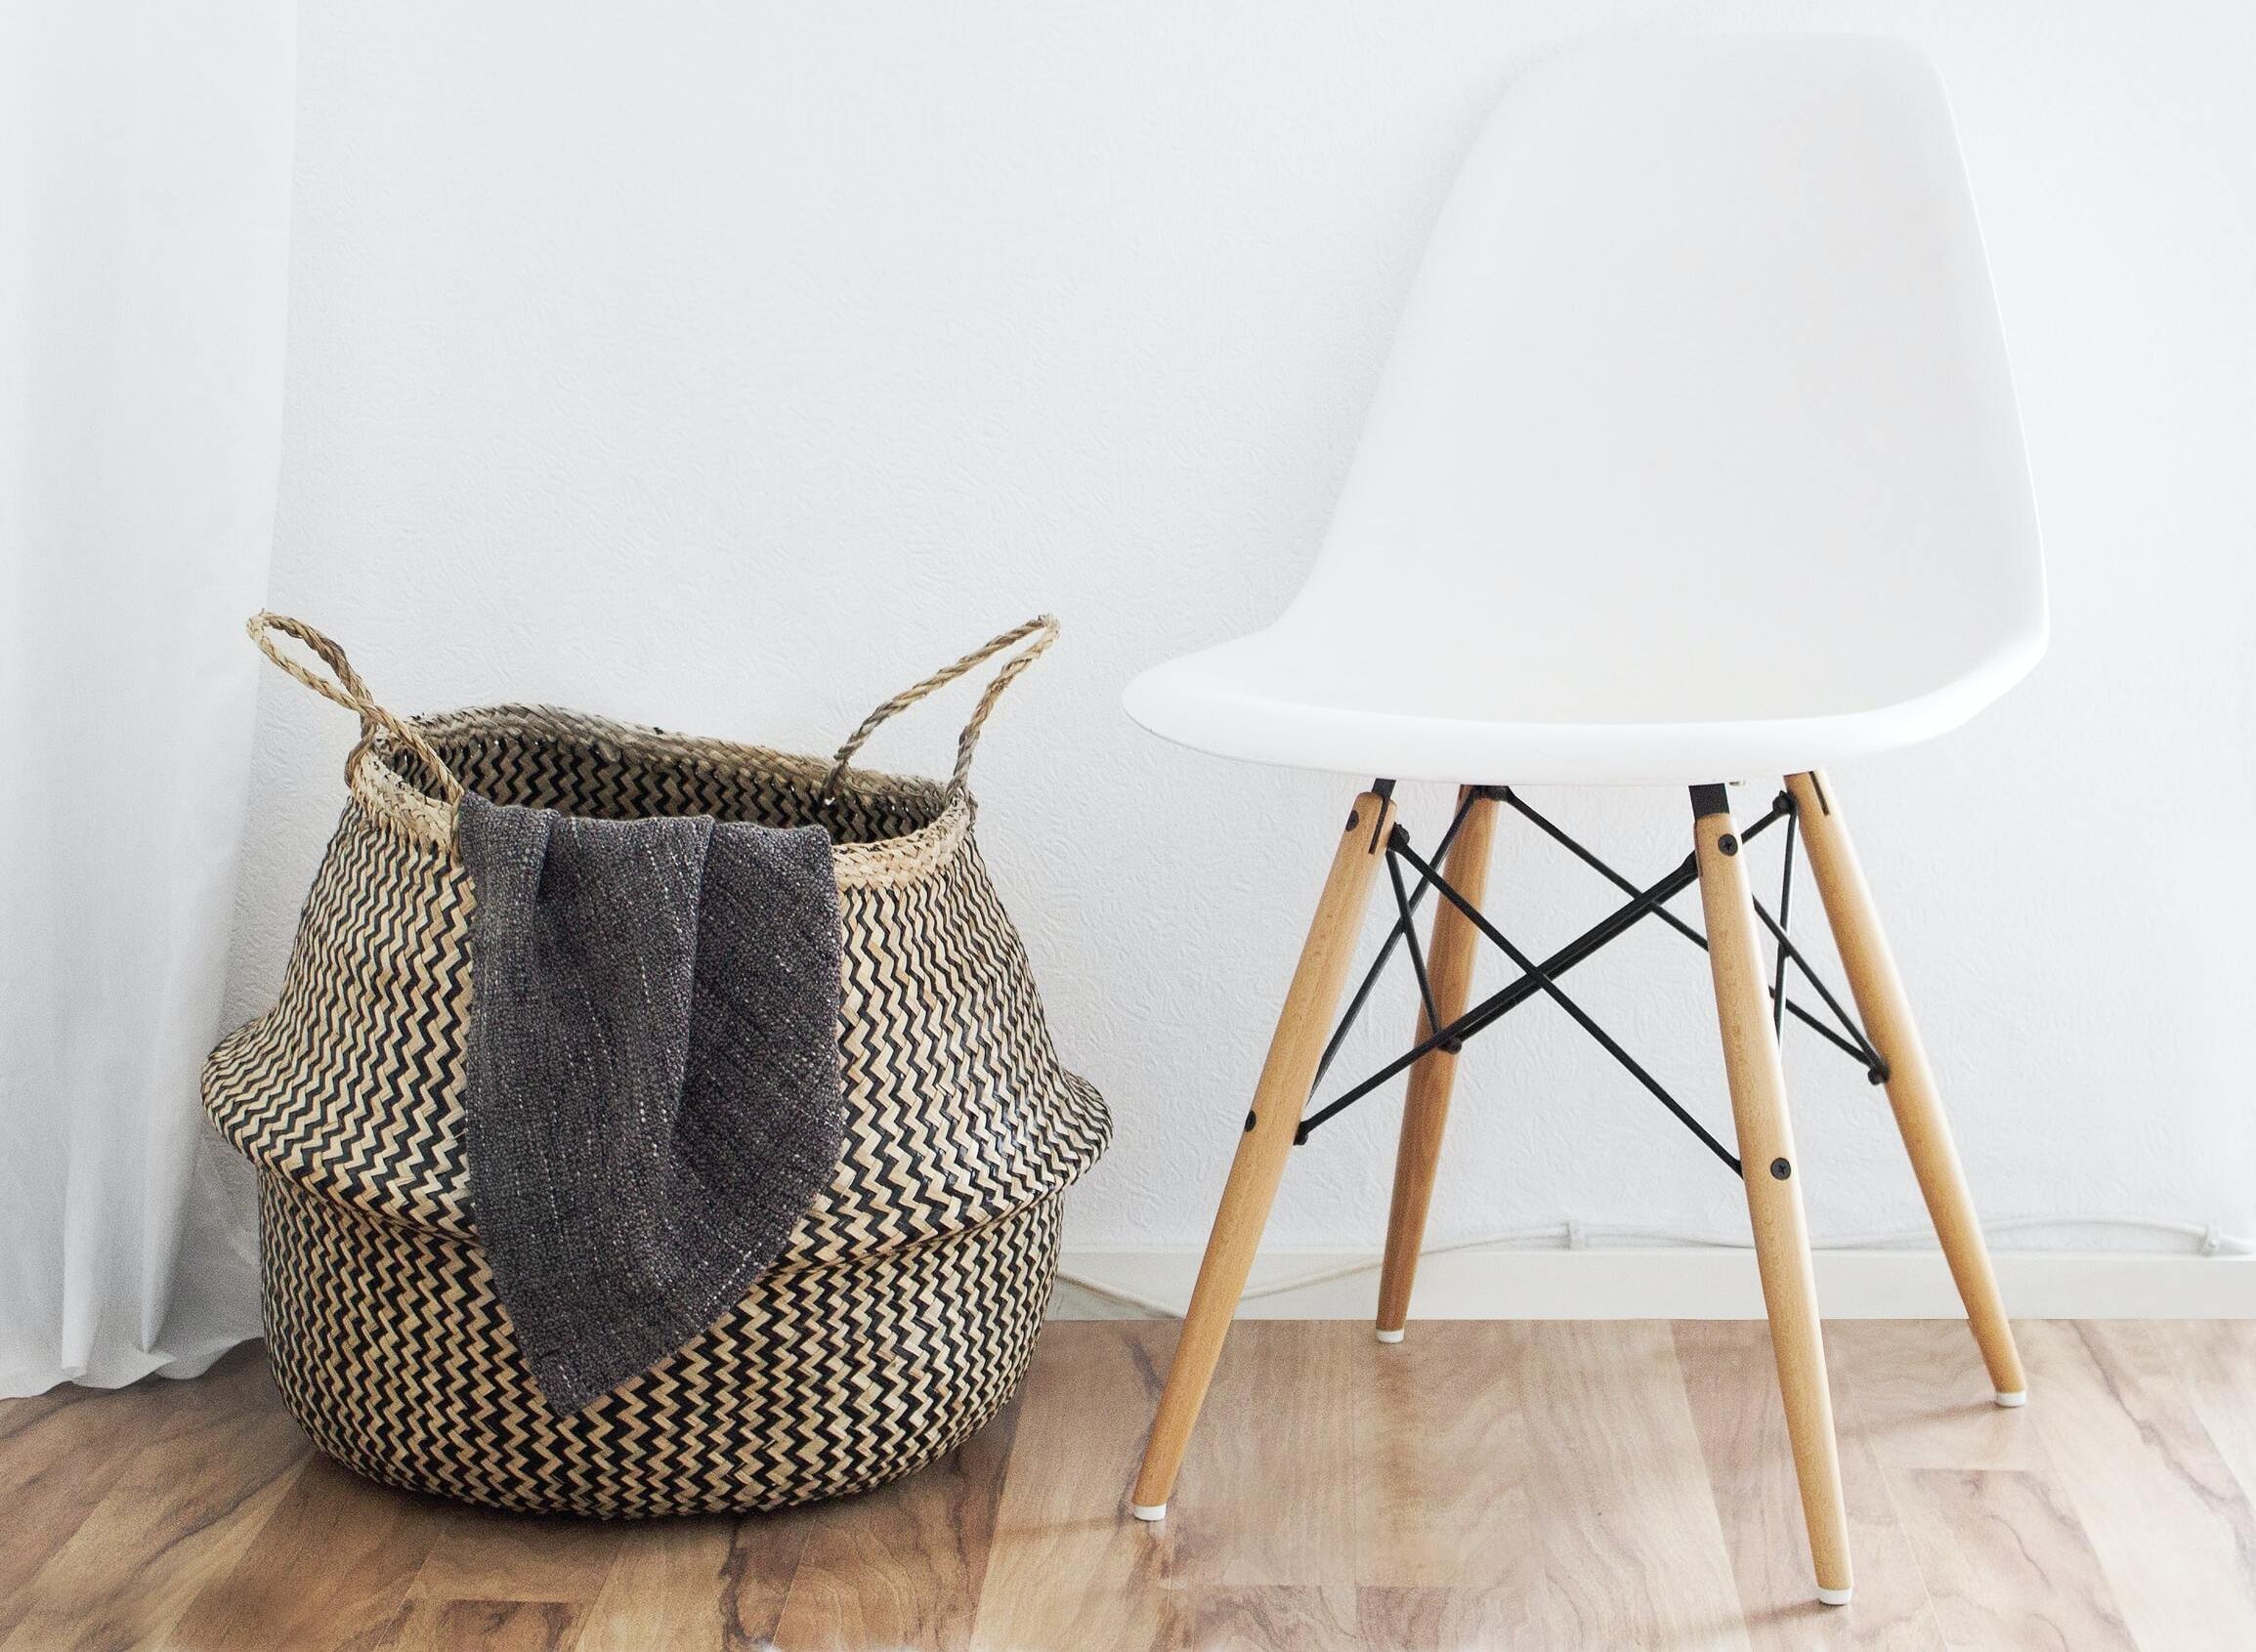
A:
(1267, 1491)
(2215, 1361)
(1069, 1567)
(1633, 1553)
(1481, 1485)
(181, 1509)
(1443, 1620)
(903, 1565)
(57, 1458)
(2165, 1515)
(486, 1555)
(330, 1566)
(1731, 1381)
(435, 1625)
(1289, 1618)
(2007, 1564)
(756, 1575)
(684, 1585)
(698, 1583)
(1925, 1400)
(739, 1574)
(1441, 1449)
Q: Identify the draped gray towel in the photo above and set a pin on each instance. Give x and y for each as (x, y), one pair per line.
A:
(654, 1094)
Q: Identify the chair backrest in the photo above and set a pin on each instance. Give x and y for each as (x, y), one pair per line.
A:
(1699, 406)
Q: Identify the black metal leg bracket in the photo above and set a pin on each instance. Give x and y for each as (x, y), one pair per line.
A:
(1541, 978)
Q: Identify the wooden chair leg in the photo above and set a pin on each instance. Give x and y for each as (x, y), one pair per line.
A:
(1286, 1078)
(1774, 1191)
(1425, 1111)
(1911, 1092)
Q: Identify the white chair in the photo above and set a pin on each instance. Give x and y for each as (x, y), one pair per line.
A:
(1697, 459)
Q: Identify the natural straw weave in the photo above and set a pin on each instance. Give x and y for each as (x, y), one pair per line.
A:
(904, 1308)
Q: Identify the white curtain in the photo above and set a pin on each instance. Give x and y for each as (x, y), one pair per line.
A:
(144, 166)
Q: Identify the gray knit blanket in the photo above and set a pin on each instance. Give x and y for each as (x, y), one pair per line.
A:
(653, 1074)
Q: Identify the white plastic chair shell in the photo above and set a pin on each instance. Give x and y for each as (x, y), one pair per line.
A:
(1696, 456)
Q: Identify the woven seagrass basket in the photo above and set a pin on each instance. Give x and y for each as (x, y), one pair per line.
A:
(904, 1308)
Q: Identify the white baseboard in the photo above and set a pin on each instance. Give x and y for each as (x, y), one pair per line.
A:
(1686, 1283)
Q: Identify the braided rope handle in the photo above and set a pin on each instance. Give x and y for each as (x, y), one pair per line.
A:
(344, 687)
(1043, 628)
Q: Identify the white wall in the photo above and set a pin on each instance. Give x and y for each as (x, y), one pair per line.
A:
(727, 366)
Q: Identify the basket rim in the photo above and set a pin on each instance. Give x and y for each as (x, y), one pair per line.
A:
(396, 800)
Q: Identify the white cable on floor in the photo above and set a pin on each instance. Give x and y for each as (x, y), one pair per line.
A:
(1577, 1236)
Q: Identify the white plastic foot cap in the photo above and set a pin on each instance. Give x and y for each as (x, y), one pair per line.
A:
(1834, 1596)
(1148, 1510)
(1387, 1336)
(2009, 1398)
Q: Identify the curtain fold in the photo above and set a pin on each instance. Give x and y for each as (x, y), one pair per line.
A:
(144, 175)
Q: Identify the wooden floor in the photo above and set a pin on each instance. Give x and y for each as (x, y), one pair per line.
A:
(1481, 1485)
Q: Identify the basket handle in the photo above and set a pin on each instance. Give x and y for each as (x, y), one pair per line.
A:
(1042, 628)
(343, 685)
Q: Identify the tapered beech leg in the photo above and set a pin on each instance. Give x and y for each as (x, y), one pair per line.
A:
(1426, 1113)
(1286, 1078)
(1911, 1094)
(1773, 1184)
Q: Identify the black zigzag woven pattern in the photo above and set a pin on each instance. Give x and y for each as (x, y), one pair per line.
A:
(394, 1352)
(901, 1312)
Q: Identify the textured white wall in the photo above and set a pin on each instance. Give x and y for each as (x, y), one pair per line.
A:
(725, 366)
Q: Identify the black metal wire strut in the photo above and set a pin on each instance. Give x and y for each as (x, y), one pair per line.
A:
(1530, 969)
(1402, 927)
(1540, 979)
(1854, 1044)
